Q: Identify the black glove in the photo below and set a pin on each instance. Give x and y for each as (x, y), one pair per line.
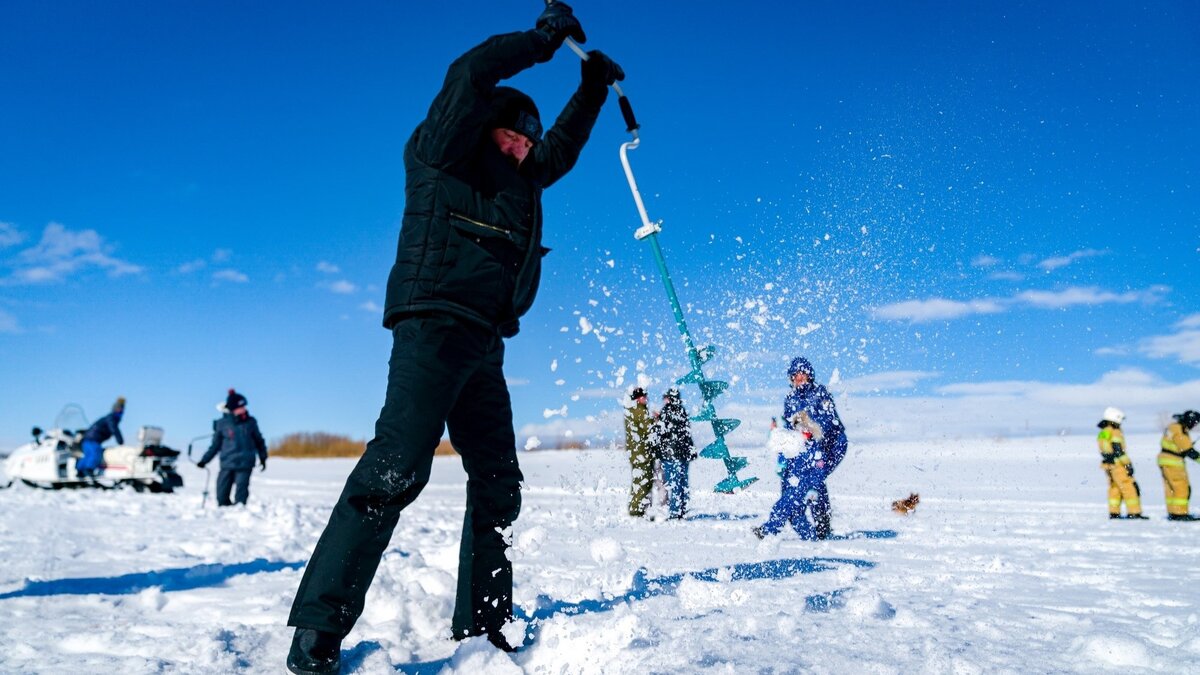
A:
(263, 464)
(200, 465)
(558, 23)
(600, 69)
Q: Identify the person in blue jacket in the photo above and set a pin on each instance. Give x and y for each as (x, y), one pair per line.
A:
(91, 464)
(808, 407)
(237, 438)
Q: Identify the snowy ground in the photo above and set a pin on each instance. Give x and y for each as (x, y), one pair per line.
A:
(1009, 565)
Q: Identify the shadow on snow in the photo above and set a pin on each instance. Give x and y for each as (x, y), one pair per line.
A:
(179, 579)
(644, 588)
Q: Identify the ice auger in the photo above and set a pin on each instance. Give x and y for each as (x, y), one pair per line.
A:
(709, 389)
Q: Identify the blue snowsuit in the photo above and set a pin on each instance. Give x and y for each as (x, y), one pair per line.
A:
(807, 472)
(93, 440)
(240, 444)
(800, 475)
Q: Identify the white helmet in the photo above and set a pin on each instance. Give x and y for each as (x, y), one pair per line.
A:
(1114, 415)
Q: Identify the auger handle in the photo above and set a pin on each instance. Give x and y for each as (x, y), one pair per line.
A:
(631, 123)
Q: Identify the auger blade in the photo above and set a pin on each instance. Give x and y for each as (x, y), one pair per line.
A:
(715, 450)
(731, 483)
(696, 376)
(711, 389)
(706, 353)
(706, 414)
(735, 464)
(724, 426)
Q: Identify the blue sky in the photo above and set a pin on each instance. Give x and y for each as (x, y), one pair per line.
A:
(983, 217)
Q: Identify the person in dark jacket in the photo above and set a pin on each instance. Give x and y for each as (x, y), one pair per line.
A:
(92, 462)
(672, 436)
(239, 442)
(467, 268)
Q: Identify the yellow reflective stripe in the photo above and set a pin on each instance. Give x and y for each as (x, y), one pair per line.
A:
(1168, 444)
(1114, 502)
(1177, 501)
(1133, 504)
(1104, 434)
(1170, 461)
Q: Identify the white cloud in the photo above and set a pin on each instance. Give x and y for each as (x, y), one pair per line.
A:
(10, 235)
(1050, 264)
(328, 267)
(1007, 276)
(341, 286)
(230, 275)
(891, 381)
(191, 266)
(62, 252)
(9, 323)
(1183, 345)
(985, 260)
(1111, 351)
(936, 308)
(1013, 408)
(1087, 296)
(221, 255)
(1020, 408)
(370, 306)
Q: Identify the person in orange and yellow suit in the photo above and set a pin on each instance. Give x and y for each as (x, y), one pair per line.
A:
(1176, 446)
(1118, 467)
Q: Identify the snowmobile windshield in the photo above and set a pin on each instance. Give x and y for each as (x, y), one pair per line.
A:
(71, 418)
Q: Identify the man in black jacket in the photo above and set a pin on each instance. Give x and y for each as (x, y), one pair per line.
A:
(673, 437)
(467, 268)
(239, 442)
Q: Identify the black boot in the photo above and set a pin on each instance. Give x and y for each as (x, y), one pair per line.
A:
(1137, 516)
(500, 642)
(758, 532)
(1182, 516)
(1114, 516)
(315, 652)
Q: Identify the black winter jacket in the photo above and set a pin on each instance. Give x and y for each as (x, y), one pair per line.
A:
(672, 433)
(471, 239)
(238, 440)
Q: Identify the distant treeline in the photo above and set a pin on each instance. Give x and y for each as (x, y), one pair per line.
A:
(319, 444)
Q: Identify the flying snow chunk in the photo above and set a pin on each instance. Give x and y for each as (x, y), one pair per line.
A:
(533, 443)
(559, 412)
(703, 596)
(152, 598)
(585, 325)
(605, 550)
(554, 365)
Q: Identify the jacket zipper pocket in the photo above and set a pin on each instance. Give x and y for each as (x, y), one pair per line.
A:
(493, 228)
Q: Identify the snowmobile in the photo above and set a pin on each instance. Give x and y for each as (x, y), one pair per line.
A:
(49, 460)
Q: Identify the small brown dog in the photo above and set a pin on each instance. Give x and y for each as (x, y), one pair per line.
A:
(906, 506)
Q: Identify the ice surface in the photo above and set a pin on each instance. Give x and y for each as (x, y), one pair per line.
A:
(1009, 564)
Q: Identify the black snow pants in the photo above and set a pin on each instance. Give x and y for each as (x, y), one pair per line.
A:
(227, 479)
(443, 373)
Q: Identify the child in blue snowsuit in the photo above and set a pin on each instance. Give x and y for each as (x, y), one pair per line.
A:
(804, 499)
